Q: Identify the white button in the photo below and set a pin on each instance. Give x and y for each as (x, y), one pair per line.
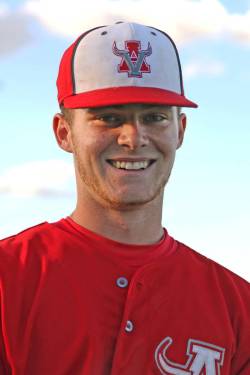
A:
(122, 282)
(129, 326)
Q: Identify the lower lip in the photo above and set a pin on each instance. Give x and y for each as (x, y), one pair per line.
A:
(133, 172)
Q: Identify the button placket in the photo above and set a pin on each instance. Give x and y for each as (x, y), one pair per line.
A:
(134, 287)
(131, 324)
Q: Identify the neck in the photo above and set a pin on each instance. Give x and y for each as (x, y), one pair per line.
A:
(140, 225)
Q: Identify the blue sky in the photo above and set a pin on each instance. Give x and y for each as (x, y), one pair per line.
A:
(207, 200)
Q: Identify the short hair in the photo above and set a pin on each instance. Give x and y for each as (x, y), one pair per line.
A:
(67, 113)
(179, 109)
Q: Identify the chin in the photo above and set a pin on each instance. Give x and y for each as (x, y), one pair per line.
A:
(126, 206)
(130, 203)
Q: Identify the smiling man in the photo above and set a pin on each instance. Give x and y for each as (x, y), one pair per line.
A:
(107, 290)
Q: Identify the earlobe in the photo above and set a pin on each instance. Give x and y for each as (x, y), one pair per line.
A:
(62, 132)
(182, 127)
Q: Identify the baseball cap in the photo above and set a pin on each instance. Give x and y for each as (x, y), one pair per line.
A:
(121, 64)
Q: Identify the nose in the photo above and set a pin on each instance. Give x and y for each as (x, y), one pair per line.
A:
(133, 135)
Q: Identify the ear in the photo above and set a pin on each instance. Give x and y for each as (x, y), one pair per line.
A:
(182, 122)
(62, 132)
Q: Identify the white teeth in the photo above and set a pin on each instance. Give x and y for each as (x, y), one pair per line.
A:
(130, 165)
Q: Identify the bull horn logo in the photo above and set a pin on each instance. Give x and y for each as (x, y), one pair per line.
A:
(201, 356)
(133, 58)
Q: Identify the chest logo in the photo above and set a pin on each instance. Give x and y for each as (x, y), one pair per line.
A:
(203, 358)
(133, 58)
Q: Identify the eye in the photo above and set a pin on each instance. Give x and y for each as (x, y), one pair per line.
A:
(110, 119)
(158, 118)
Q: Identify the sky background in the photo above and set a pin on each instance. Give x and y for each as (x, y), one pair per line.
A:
(206, 203)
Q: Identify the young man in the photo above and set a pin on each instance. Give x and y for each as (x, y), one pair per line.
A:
(107, 290)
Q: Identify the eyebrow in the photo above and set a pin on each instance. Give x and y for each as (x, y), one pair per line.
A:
(98, 109)
(123, 106)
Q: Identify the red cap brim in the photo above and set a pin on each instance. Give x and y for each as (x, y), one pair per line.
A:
(126, 95)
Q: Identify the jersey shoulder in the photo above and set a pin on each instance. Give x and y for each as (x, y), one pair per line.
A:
(24, 235)
(25, 232)
(216, 273)
(32, 240)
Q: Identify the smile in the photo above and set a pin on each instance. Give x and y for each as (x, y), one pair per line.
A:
(131, 165)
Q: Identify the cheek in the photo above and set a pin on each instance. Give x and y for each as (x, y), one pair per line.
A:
(167, 143)
(87, 142)
(90, 150)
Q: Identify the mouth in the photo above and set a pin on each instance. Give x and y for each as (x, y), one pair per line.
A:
(131, 165)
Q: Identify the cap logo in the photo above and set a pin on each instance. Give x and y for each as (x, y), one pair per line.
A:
(133, 58)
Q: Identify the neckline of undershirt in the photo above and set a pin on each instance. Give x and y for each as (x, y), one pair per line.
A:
(137, 254)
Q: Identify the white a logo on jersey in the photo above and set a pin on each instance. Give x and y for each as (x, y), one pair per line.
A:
(202, 358)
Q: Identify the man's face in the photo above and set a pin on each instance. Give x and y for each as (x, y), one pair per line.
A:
(124, 154)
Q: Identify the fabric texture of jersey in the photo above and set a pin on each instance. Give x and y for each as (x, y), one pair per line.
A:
(76, 303)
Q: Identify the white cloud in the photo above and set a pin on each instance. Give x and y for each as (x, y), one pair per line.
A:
(183, 19)
(198, 68)
(38, 178)
(240, 27)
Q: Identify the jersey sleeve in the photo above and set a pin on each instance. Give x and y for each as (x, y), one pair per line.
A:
(4, 367)
(241, 321)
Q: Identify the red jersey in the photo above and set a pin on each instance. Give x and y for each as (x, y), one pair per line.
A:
(74, 302)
